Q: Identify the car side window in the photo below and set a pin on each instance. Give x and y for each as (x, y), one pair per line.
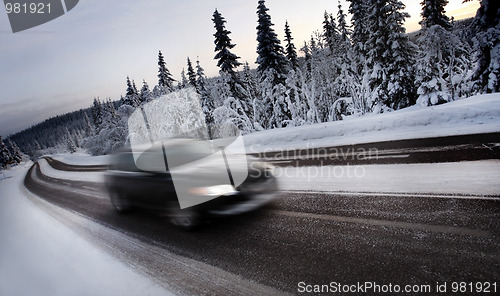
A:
(152, 160)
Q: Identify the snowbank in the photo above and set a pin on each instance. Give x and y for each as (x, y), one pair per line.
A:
(474, 178)
(47, 170)
(81, 159)
(474, 115)
(40, 256)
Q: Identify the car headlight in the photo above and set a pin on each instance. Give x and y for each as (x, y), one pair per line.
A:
(216, 190)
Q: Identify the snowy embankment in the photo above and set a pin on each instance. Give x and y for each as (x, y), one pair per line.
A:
(41, 256)
(467, 179)
(81, 159)
(480, 114)
(47, 170)
(474, 115)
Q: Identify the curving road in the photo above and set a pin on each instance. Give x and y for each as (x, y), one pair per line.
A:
(306, 238)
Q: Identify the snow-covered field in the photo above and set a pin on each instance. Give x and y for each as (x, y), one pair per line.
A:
(41, 256)
(474, 115)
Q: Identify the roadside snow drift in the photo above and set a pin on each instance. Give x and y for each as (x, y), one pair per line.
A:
(474, 115)
(40, 256)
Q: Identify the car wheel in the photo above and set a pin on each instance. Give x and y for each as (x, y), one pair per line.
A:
(119, 203)
(186, 219)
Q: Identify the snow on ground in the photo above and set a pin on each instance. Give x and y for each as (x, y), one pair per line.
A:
(478, 178)
(81, 159)
(479, 114)
(474, 115)
(47, 170)
(40, 256)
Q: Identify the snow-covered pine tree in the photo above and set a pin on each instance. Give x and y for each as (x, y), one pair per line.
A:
(145, 95)
(191, 74)
(487, 46)
(293, 81)
(433, 13)
(5, 156)
(357, 68)
(37, 146)
(15, 152)
(307, 57)
(343, 28)
(359, 12)
(331, 34)
(443, 63)
(226, 60)
(184, 81)
(112, 133)
(88, 128)
(345, 58)
(206, 102)
(165, 79)
(97, 113)
(273, 111)
(135, 88)
(390, 57)
(131, 94)
(291, 51)
(70, 143)
(201, 79)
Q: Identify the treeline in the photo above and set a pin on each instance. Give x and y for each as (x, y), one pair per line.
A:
(369, 66)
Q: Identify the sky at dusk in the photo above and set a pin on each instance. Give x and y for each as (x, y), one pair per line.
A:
(62, 65)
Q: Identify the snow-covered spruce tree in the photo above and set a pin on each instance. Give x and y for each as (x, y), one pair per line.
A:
(183, 83)
(433, 13)
(228, 63)
(70, 143)
(357, 71)
(112, 132)
(390, 57)
(250, 82)
(226, 60)
(145, 94)
(359, 12)
(15, 152)
(345, 58)
(88, 127)
(206, 102)
(293, 82)
(273, 111)
(165, 79)
(343, 28)
(191, 74)
(487, 47)
(131, 95)
(443, 63)
(5, 156)
(331, 34)
(291, 51)
(97, 113)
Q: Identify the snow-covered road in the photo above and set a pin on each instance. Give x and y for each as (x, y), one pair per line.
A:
(41, 256)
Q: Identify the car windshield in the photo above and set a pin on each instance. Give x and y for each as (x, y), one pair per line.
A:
(187, 152)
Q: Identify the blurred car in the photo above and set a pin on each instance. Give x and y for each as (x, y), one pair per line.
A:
(143, 178)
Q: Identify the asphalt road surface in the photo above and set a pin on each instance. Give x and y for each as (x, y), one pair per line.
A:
(299, 240)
